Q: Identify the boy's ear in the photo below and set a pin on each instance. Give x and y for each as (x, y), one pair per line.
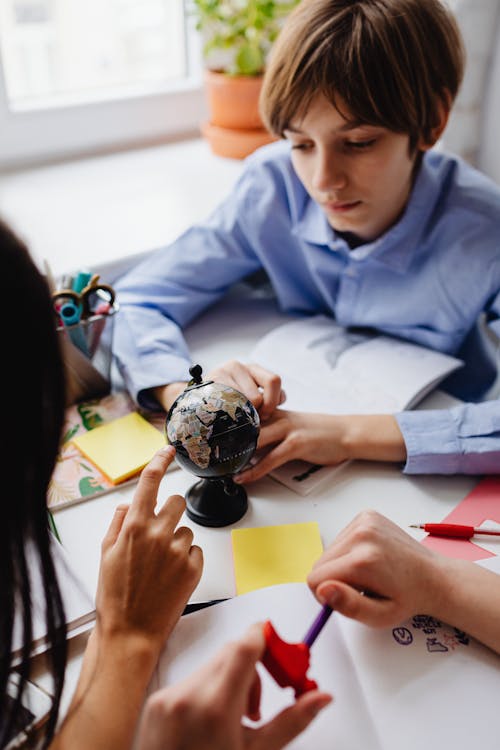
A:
(443, 109)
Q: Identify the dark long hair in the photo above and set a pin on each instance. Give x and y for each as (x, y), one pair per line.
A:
(32, 412)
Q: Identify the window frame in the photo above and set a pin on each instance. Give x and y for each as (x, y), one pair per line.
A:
(109, 121)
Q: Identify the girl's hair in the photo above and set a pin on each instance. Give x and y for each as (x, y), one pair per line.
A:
(32, 413)
(390, 62)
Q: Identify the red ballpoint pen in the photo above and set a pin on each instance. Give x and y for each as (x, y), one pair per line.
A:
(458, 531)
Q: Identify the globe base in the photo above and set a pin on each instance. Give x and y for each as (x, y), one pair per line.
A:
(216, 502)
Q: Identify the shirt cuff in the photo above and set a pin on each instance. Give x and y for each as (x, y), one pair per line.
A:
(151, 373)
(431, 438)
(461, 440)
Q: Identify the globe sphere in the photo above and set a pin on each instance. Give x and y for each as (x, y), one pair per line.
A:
(214, 429)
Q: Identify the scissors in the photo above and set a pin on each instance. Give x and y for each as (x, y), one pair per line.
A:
(88, 300)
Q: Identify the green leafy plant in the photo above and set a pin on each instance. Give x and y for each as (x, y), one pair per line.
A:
(238, 34)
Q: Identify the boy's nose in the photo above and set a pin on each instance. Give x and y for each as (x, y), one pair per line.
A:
(329, 175)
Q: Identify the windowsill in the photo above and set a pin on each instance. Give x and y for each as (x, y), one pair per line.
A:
(101, 210)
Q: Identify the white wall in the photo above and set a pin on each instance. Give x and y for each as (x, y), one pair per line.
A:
(479, 23)
(489, 149)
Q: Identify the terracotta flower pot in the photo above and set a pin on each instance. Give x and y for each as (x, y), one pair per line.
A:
(235, 128)
(234, 143)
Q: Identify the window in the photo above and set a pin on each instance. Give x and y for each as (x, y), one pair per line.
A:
(80, 75)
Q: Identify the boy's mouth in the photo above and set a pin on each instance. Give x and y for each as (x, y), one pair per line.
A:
(341, 206)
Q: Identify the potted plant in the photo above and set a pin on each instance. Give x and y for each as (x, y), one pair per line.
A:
(237, 37)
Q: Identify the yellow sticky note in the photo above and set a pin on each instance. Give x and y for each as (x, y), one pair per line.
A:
(270, 555)
(122, 447)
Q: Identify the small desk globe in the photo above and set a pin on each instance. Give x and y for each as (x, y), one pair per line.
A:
(214, 429)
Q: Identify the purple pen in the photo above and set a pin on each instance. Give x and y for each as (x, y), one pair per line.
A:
(317, 625)
(288, 662)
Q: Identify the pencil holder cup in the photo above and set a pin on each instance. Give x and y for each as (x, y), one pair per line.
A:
(86, 351)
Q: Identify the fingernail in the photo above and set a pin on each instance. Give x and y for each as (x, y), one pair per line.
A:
(329, 595)
(237, 479)
(167, 450)
(321, 704)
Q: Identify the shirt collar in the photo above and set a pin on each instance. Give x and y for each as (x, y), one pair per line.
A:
(396, 247)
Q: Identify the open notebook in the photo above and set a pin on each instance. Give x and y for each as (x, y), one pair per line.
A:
(78, 602)
(421, 685)
(329, 369)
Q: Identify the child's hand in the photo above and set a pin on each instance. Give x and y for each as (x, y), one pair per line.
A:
(148, 568)
(205, 711)
(376, 573)
(325, 439)
(260, 386)
(290, 435)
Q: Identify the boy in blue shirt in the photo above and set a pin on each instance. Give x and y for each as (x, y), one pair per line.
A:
(352, 216)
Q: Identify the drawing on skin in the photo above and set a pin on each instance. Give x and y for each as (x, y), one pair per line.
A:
(403, 636)
(439, 638)
(434, 645)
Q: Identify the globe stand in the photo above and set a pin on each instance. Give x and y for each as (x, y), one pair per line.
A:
(216, 502)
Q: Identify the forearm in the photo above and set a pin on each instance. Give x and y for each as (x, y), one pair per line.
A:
(109, 696)
(469, 599)
(166, 394)
(373, 437)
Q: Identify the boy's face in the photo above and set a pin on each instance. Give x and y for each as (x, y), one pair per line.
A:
(361, 175)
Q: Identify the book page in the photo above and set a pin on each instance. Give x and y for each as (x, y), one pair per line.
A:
(344, 725)
(420, 685)
(427, 685)
(332, 370)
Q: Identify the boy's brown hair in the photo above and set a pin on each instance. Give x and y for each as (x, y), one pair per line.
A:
(391, 62)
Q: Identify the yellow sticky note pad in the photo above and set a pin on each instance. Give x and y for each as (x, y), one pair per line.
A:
(122, 447)
(270, 555)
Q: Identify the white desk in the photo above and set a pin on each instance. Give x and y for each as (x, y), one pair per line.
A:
(358, 486)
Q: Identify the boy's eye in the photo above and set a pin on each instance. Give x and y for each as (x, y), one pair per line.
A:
(360, 145)
(301, 146)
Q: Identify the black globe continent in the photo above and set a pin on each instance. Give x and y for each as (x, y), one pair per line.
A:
(231, 443)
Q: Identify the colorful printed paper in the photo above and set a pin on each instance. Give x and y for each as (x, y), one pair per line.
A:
(76, 479)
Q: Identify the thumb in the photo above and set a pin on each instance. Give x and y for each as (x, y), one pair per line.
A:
(353, 603)
(292, 721)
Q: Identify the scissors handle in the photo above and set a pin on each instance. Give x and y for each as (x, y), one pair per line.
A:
(93, 287)
(61, 296)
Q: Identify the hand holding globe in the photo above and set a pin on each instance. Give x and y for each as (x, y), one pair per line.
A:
(214, 429)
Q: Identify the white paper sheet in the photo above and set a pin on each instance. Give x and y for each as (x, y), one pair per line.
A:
(344, 725)
(422, 685)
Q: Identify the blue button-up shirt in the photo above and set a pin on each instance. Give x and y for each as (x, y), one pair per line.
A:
(429, 279)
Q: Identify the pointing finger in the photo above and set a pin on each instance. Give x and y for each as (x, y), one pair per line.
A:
(146, 494)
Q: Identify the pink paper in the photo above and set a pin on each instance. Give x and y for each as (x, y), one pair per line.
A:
(479, 505)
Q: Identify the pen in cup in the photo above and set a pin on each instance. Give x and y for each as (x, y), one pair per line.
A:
(70, 314)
